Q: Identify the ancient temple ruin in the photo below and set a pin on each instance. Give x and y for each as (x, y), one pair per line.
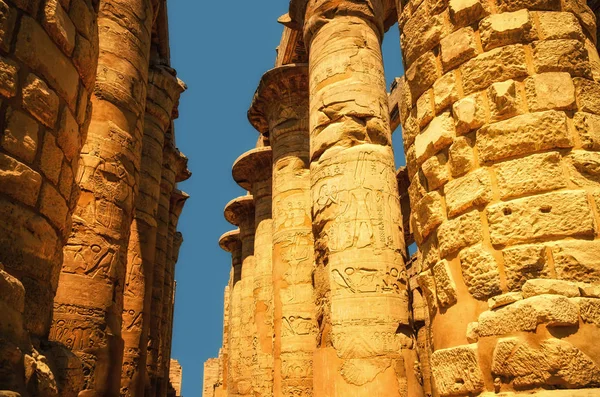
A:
(89, 203)
(500, 115)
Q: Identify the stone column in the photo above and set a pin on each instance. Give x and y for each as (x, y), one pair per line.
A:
(89, 300)
(230, 242)
(280, 109)
(500, 121)
(168, 177)
(163, 92)
(178, 199)
(252, 171)
(240, 212)
(365, 340)
(48, 64)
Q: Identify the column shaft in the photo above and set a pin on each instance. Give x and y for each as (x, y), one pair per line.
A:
(163, 93)
(240, 212)
(280, 108)
(96, 252)
(499, 136)
(365, 339)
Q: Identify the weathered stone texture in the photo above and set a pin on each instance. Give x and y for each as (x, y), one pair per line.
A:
(73, 78)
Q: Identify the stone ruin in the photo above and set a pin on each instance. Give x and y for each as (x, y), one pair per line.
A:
(500, 115)
(89, 202)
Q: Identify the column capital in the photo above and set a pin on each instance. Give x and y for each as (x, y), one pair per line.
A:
(310, 16)
(239, 210)
(177, 161)
(178, 199)
(230, 241)
(280, 89)
(163, 92)
(253, 166)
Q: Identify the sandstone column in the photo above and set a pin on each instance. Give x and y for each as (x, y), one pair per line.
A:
(163, 92)
(280, 109)
(171, 157)
(89, 301)
(230, 242)
(178, 199)
(252, 171)
(500, 117)
(365, 339)
(240, 212)
(48, 64)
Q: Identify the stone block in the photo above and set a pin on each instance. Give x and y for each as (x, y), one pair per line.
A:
(562, 55)
(552, 362)
(589, 309)
(40, 101)
(515, 5)
(466, 12)
(587, 126)
(427, 284)
(458, 233)
(425, 110)
(469, 113)
(52, 158)
(427, 215)
(19, 181)
(532, 174)
(522, 263)
(59, 26)
(461, 158)
(588, 95)
(8, 77)
(8, 17)
(436, 171)
(430, 253)
(457, 371)
(559, 25)
(53, 206)
(421, 33)
(581, 9)
(498, 64)
(584, 168)
(35, 48)
(541, 217)
(527, 314)
(504, 299)
(577, 260)
(457, 48)
(85, 59)
(480, 272)
(504, 100)
(421, 75)
(21, 135)
(445, 91)
(69, 138)
(547, 91)
(444, 284)
(66, 181)
(507, 28)
(83, 17)
(524, 134)
(540, 286)
(471, 190)
(438, 135)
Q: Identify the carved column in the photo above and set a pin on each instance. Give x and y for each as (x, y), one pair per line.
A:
(46, 88)
(230, 242)
(163, 93)
(178, 199)
(89, 300)
(168, 177)
(240, 212)
(252, 171)
(499, 122)
(365, 340)
(280, 109)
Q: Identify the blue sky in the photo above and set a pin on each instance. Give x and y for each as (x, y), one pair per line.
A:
(220, 49)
